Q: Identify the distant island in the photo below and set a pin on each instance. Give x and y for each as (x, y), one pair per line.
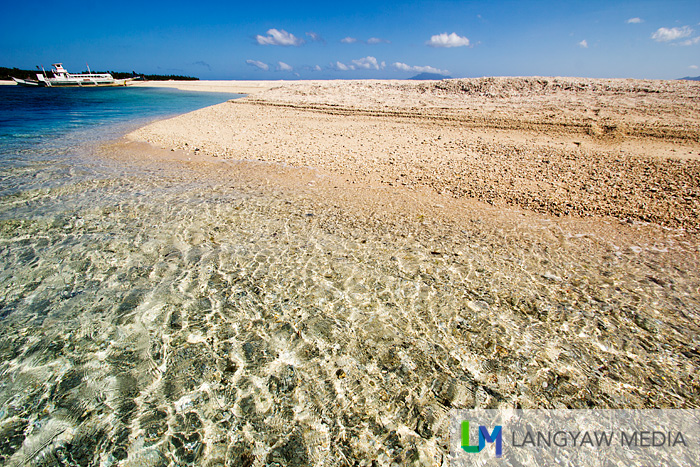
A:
(692, 78)
(427, 76)
(8, 73)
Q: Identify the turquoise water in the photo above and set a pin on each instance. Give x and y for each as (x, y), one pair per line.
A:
(161, 312)
(38, 116)
(43, 130)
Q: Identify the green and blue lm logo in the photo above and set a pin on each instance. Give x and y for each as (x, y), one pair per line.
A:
(496, 436)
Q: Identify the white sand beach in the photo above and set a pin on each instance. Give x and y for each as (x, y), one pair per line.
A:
(564, 146)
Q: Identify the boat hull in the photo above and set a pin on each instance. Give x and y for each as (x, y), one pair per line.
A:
(27, 83)
(84, 84)
(67, 83)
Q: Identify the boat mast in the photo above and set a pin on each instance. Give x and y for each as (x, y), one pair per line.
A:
(46, 80)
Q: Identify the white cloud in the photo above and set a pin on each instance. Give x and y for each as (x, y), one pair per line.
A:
(402, 66)
(341, 66)
(281, 66)
(693, 41)
(634, 21)
(693, 67)
(258, 64)
(583, 44)
(377, 40)
(418, 69)
(278, 37)
(315, 37)
(666, 34)
(368, 63)
(348, 40)
(448, 40)
(317, 68)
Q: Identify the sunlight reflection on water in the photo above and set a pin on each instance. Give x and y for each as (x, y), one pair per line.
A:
(178, 314)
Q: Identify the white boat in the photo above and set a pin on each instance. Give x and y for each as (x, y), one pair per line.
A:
(26, 82)
(61, 77)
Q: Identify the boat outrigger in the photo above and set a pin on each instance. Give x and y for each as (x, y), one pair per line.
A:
(61, 77)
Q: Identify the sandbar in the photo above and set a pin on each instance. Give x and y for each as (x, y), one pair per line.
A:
(628, 149)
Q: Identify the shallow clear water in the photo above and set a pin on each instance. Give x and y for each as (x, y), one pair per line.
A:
(41, 129)
(160, 312)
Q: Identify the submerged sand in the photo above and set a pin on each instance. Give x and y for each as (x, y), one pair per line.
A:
(623, 148)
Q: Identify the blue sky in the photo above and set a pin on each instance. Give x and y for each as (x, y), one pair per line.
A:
(359, 39)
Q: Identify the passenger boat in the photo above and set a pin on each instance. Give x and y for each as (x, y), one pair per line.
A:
(61, 77)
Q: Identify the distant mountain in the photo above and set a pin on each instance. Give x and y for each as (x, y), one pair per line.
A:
(692, 78)
(425, 76)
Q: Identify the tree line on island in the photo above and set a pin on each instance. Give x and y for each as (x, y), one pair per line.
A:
(8, 73)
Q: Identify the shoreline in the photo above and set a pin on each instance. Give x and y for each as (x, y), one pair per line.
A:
(629, 149)
(411, 207)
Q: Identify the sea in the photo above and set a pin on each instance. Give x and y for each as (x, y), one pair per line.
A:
(157, 309)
